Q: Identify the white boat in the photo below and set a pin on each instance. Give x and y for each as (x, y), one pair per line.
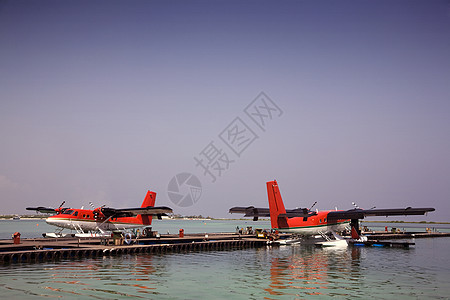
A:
(294, 241)
(333, 243)
(338, 241)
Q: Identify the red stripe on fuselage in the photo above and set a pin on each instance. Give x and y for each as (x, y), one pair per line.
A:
(88, 216)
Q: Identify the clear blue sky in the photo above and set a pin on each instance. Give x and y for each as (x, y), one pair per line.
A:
(102, 100)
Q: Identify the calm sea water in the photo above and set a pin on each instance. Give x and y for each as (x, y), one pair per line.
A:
(290, 272)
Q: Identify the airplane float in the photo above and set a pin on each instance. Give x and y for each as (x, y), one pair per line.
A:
(99, 221)
(305, 222)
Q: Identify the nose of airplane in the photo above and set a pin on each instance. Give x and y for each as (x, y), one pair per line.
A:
(50, 221)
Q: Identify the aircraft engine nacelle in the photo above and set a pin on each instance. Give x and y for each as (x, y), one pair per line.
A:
(59, 210)
(98, 214)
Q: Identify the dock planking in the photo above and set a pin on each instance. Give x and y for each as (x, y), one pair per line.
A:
(40, 250)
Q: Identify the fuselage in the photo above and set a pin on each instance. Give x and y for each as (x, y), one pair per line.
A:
(85, 220)
(312, 225)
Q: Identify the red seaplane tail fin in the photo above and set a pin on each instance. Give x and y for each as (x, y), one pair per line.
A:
(276, 206)
(149, 200)
(354, 233)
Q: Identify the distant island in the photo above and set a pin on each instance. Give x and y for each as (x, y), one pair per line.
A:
(7, 217)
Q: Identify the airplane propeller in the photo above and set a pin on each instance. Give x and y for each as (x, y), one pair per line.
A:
(313, 205)
(48, 210)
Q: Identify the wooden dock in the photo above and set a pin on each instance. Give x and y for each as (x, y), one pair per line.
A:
(378, 238)
(45, 249)
(51, 249)
(376, 243)
(383, 235)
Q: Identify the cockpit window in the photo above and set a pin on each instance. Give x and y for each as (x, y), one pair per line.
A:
(76, 213)
(68, 212)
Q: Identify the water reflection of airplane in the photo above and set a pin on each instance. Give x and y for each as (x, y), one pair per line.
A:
(300, 272)
(306, 222)
(99, 221)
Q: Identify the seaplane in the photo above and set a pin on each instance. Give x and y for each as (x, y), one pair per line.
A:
(101, 221)
(304, 222)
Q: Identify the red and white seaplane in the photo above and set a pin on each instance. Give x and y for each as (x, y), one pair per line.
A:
(102, 221)
(305, 222)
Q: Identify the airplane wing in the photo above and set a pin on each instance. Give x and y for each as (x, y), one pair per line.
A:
(250, 211)
(298, 212)
(130, 212)
(362, 213)
(44, 210)
(255, 212)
